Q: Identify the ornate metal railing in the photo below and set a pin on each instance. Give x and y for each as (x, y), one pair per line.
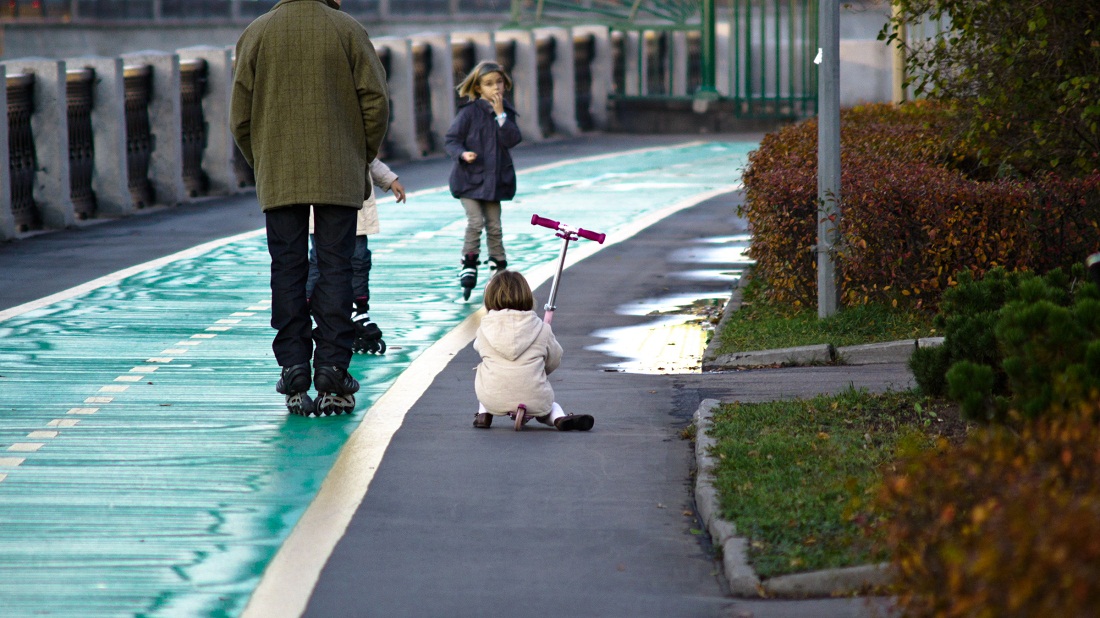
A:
(464, 57)
(22, 160)
(422, 96)
(138, 82)
(77, 11)
(193, 125)
(545, 54)
(584, 52)
(79, 99)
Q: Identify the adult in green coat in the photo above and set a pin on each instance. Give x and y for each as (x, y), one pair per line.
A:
(309, 111)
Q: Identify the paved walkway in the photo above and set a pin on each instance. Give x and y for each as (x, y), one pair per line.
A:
(150, 469)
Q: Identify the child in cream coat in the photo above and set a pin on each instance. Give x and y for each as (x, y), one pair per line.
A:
(368, 337)
(518, 350)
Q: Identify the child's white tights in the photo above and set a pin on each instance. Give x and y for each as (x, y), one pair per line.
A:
(555, 411)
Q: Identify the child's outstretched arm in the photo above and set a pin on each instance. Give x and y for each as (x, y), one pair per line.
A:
(384, 178)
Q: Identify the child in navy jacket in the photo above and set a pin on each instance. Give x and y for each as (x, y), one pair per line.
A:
(483, 175)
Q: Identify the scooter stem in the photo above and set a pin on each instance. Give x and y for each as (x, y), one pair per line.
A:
(548, 313)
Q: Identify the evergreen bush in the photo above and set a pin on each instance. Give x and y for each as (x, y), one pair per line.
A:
(1015, 344)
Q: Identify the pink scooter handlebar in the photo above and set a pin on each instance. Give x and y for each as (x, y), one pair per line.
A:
(555, 225)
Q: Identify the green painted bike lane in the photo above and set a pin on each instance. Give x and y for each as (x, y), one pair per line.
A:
(147, 467)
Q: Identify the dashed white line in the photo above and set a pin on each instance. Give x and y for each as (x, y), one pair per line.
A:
(25, 447)
(63, 422)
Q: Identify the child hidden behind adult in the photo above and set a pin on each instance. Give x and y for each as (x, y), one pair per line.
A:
(482, 173)
(517, 351)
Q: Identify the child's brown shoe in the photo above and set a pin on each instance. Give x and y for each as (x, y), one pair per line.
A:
(575, 422)
(483, 420)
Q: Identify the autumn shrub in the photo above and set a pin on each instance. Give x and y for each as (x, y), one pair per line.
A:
(1008, 524)
(910, 218)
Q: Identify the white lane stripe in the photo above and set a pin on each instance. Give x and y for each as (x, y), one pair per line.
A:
(11, 462)
(289, 578)
(42, 434)
(82, 410)
(25, 447)
(63, 422)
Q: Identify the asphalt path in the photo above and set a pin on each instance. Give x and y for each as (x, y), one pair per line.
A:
(463, 522)
(467, 522)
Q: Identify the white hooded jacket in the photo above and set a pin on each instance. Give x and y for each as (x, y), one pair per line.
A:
(366, 223)
(517, 351)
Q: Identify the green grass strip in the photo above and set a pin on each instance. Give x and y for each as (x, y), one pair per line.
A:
(795, 476)
(763, 325)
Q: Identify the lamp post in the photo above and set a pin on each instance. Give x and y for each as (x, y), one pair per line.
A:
(828, 158)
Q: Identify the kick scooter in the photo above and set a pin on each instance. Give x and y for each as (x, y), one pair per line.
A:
(567, 234)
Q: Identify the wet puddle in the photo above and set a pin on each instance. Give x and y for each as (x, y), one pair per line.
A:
(676, 337)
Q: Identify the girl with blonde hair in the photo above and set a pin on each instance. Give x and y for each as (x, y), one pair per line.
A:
(482, 174)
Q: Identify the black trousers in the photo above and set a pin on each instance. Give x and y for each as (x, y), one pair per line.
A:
(330, 342)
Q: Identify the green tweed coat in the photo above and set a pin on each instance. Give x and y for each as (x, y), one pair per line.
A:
(310, 105)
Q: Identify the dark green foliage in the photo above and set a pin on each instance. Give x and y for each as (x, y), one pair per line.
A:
(1016, 344)
(1023, 76)
(971, 385)
(929, 366)
(968, 316)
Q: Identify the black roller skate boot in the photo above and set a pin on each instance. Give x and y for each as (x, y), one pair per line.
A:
(496, 265)
(467, 277)
(368, 337)
(335, 391)
(294, 383)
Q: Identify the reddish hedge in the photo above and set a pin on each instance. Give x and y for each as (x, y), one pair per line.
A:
(1008, 524)
(910, 218)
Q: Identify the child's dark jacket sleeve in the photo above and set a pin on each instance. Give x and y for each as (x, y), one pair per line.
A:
(454, 143)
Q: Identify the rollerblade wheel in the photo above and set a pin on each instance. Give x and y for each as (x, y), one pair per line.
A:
(299, 404)
(520, 414)
(331, 404)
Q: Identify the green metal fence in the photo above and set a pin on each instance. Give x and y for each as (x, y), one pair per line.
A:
(763, 56)
(772, 45)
